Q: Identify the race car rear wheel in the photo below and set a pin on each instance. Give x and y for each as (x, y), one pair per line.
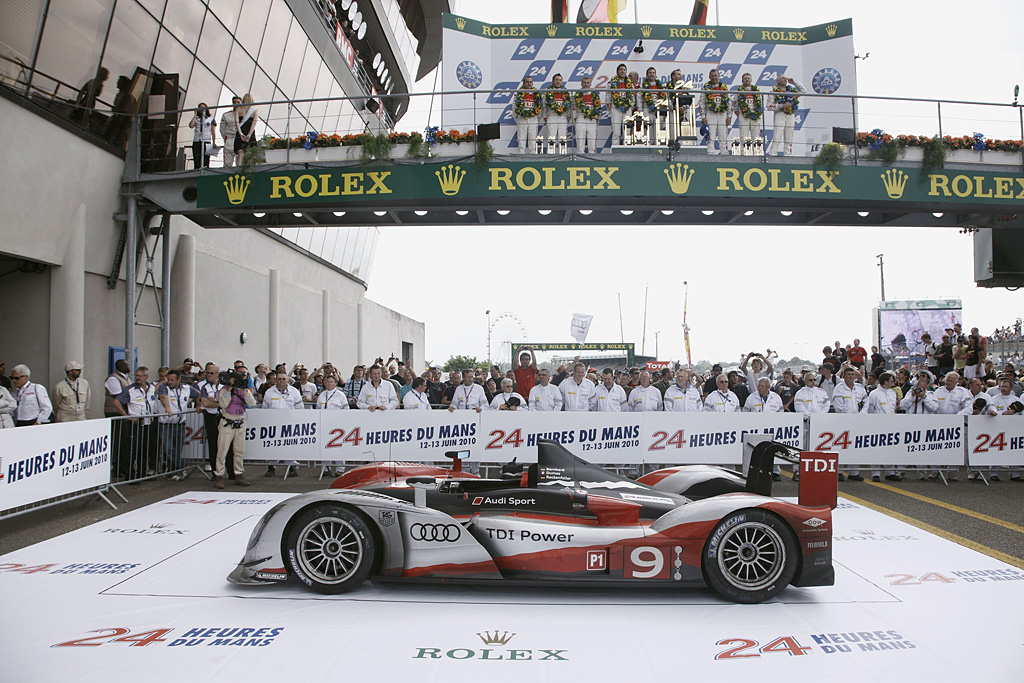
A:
(750, 556)
(330, 549)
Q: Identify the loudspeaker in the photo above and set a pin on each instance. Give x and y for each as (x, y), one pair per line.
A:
(488, 131)
(844, 136)
(371, 105)
(998, 259)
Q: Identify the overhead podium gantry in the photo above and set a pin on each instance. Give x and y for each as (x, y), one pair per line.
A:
(601, 189)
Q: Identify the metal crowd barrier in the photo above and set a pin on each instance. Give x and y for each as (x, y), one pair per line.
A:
(145, 448)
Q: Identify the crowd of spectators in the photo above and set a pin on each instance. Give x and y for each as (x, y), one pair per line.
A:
(957, 376)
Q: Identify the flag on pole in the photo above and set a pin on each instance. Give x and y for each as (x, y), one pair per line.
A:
(580, 326)
(699, 16)
(600, 11)
(686, 333)
(559, 11)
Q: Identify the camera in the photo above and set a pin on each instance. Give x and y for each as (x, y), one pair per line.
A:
(238, 380)
(1017, 407)
(918, 390)
(513, 402)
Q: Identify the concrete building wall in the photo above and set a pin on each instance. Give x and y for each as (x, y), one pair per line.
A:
(57, 209)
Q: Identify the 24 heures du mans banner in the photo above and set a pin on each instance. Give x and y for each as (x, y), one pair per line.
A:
(535, 178)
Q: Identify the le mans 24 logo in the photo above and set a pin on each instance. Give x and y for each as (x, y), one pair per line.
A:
(826, 81)
(469, 74)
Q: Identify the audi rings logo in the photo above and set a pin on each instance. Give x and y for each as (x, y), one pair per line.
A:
(441, 533)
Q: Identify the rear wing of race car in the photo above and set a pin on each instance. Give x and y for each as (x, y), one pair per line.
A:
(762, 459)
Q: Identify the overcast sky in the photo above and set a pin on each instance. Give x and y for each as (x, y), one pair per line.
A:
(793, 289)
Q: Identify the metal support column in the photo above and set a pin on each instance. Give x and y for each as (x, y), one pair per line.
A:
(165, 291)
(131, 234)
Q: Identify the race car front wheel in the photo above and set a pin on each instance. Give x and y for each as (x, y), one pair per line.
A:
(330, 549)
(750, 556)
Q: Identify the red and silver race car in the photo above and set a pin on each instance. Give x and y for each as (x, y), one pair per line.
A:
(562, 520)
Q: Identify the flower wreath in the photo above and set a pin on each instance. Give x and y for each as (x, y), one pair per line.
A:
(709, 98)
(651, 99)
(789, 102)
(590, 111)
(556, 104)
(748, 112)
(524, 109)
(622, 92)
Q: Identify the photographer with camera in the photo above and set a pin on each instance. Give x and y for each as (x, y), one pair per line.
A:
(234, 398)
(202, 140)
(508, 399)
(920, 401)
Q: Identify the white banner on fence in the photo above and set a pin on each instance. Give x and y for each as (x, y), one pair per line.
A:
(390, 435)
(995, 440)
(596, 437)
(283, 435)
(713, 438)
(890, 439)
(46, 461)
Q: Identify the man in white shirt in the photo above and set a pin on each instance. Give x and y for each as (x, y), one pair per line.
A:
(683, 397)
(848, 397)
(175, 397)
(951, 396)
(282, 396)
(722, 399)
(331, 398)
(34, 405)
(377, 394)
(305, 387)
(228, 128)
(545, 396)
(757, 369)
(468, 395)
(577, 390)
(977, 393)
(809, 398)
(137, 401)
(882, 401)
(644, 397)
(608, 396)
(209, 389)
(416, 398)
(1001, 403)
(826, 380)
(508, 399)
(919, 400)
(764, 400)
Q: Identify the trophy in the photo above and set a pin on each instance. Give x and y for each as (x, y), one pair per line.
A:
(683, 115)
(735, 147)
(661, 126)
(758, 147)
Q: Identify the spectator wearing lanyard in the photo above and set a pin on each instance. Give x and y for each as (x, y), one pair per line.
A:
(137, 401)
(281, 396)
(378, 393)
(209, 389)
(416, 399)
(34, 405)
(72, 395)
(176, 397)
(355, 385)
(233, 402)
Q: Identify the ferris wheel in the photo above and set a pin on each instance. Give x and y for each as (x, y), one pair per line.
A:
(505, 332)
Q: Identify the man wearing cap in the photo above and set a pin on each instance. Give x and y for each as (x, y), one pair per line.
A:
(919, 400)
(72, 395)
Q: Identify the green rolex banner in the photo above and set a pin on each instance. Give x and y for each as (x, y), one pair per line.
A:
(538, 177)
